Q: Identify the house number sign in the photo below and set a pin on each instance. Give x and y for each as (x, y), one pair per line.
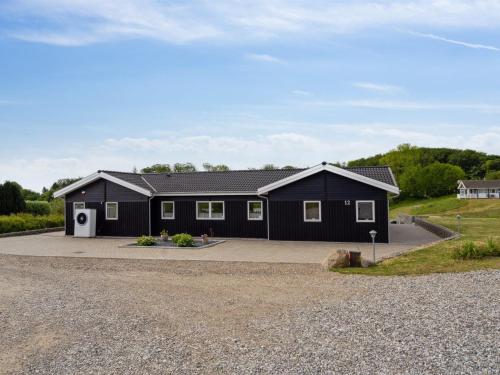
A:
(347, 203)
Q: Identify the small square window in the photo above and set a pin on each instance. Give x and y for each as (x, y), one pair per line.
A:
(168, 210)
(312, 211)
(365, 211)
(111, 210)
(255, 210)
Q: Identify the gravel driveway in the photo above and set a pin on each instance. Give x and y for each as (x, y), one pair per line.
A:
(82, 315)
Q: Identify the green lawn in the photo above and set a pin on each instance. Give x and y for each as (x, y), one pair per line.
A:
(480, 220)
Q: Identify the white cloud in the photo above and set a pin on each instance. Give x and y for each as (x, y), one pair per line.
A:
(406, 105)
(302, 93)
(453, 41)
(79, 22)
(263, 58)
(322, 141)
(377, 87)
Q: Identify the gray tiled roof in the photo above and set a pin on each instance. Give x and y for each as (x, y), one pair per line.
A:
(481, 184)
(228, 181)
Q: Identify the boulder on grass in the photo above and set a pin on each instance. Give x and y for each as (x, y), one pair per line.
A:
(338, 260)
(365, 263)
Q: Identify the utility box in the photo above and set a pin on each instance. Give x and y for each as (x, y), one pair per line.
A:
(85, 222)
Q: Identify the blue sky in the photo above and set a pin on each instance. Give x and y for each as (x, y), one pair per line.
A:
(87, 84)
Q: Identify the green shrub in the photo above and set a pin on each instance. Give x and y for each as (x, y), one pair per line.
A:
(472, 250)
(146, 241)
(37, 207)
(492, 247)
(22, 222)
(183, 240)
(57, 206)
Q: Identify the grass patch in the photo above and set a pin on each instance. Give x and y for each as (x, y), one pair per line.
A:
(480, 224)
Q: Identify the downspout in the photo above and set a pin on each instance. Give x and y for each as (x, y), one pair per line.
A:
(149, 214)
(267, 213)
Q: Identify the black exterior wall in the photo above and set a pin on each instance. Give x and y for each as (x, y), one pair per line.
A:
(133, 209)
(235, 224)
(338, 197)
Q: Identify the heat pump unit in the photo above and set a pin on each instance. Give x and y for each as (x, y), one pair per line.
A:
(85, 220)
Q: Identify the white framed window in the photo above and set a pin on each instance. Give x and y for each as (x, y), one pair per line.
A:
(254, 210)
(210, 210)
(168, 210)
(365, 211)
(111, 210)
(312, 211)
(77, 206)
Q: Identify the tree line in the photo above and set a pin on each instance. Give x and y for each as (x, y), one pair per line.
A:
(423, 172)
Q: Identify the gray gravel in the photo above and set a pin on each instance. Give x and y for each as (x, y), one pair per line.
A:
(72, 316)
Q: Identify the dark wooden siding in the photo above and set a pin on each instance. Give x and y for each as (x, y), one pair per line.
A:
(133, 209)
(102, 191)
(326, 186)
(338, 222)
(235, 224)
(338, 197)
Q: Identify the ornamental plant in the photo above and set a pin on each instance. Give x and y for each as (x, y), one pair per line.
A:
(183, 240)
(146, 241)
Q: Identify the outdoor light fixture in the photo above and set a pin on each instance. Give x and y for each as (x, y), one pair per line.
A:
(373, 233)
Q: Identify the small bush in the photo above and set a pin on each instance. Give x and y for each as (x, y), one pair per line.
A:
(22, 222)
(492, 247)
(146, 241)
(472, 250)
(183, 240)
(37, 207)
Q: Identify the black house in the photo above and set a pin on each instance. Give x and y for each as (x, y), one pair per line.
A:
(322, 203)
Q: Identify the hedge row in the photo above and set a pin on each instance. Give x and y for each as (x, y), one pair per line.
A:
(22, 222)
(37, 208)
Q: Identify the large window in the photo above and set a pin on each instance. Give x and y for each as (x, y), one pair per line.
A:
(209, 210)
(312, 211)
(365, 211)
(77, 206)
(168, 210)
(111, 210)
(255, 210)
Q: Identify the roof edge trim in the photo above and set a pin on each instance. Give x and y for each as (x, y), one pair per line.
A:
(95, 176)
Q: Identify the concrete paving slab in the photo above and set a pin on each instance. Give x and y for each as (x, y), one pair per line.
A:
(249, 250)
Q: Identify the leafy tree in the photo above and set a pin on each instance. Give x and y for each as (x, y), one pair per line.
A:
(184, 167)
(48, 194)
(268, 167)
(289, 167)
(495, 175)
(411, 182)
(492, 165)
(30, 195)
(470, 161)
(441, 179)
(215, 168)
(157, 168)
(11, 198)
(404, 156)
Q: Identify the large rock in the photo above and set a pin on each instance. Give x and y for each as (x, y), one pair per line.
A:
(340, 259)
(366, 263)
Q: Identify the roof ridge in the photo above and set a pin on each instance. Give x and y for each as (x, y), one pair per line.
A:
(231, 170)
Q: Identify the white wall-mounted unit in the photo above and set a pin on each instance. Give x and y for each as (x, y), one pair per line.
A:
(85, 222)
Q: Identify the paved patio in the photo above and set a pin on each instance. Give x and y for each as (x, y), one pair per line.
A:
(403, 237)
